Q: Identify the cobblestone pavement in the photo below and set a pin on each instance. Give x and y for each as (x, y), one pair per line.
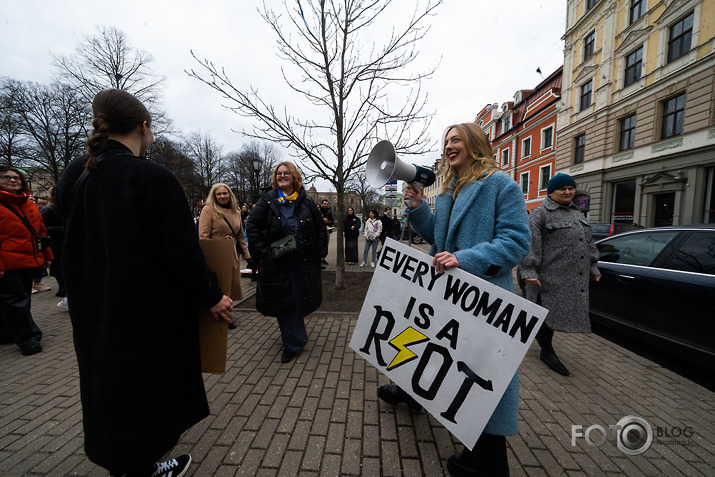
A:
(319, 415)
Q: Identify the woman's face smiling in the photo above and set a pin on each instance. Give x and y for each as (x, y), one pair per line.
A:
(222, 196)
(285, 180)
(455, 151)
(12, 183)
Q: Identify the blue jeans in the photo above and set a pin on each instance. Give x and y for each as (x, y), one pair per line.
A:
(370, 244)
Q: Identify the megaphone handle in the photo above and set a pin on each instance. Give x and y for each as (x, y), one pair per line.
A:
(416, 185)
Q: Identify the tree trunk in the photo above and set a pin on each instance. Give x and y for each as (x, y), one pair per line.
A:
(340, 256)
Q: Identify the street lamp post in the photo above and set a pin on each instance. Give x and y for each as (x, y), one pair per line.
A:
(256, 163)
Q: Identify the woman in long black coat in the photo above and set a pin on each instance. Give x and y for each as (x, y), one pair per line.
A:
(288, 288)
(351, 229)
(135, 277)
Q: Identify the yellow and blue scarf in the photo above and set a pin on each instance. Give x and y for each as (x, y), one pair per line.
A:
(286, 199)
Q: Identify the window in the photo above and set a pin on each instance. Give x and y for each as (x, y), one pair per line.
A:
(505, 157)
(696, 254)
(709, 209)
(580, 149)
(680, 35)
(525, 183)
(673, 112)
(547, 137)
(590, 4)
(623, 203)
(635, 249)
(507, 123)
(526, 147)
(637, 10)
(589, 45)
(628, 132)
(634, 63)
(545, 175)
(586, 94)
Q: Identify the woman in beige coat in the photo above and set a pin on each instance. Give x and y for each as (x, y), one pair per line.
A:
(221, 219)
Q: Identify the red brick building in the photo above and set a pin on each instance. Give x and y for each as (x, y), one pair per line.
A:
(523, 136)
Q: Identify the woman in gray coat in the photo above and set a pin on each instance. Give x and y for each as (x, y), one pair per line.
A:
(556, 272)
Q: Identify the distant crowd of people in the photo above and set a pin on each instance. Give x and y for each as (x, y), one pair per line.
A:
(116, 225)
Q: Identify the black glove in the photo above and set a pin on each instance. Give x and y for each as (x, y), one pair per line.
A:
(251, 264)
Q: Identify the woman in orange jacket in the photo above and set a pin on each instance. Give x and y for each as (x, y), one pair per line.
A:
(23, 247)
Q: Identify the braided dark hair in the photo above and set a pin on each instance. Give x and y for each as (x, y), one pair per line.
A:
(115, 112)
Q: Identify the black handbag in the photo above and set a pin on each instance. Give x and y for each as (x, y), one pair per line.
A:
(284, 247)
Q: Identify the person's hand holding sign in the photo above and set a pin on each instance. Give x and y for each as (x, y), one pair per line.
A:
(444, 260)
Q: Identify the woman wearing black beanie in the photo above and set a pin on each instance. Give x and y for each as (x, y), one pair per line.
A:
(556, 272)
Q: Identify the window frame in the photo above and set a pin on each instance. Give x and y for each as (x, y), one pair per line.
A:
(521, 182)
(627, 131)
(671, 124)
(636, 7)
(680, 38)
(579, 149)
(543, 183)
(526, 151)
(632, 67)
(503, 162)
(589, 45)
(590, 4)
(586, 95)
(543, 137)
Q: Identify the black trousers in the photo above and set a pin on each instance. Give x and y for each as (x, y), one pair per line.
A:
(16, 324)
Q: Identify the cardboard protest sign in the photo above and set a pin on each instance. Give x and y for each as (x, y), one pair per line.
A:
(452, 341)
(213, 335)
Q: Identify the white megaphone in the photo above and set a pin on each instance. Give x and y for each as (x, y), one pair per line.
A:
(383, 165)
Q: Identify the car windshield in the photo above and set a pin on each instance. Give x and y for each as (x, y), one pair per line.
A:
(635, 249)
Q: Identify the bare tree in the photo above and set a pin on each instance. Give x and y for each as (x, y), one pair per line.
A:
(208, 159)
(349, 83)
(369, 198)
(107, 61)
(171, 156)
(13, 142)
(55, 120)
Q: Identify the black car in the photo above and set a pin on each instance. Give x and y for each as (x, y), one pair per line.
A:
(658, 285)
(603, 230)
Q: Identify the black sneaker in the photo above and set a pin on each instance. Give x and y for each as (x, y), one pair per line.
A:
(173, 467)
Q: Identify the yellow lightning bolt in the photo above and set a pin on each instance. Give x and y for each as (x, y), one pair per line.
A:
(400, 342)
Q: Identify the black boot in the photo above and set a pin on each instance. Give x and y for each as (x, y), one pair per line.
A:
(487, 459)
(553, 362)
(393, 394)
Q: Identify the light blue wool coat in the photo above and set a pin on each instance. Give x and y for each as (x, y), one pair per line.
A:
(487, 229)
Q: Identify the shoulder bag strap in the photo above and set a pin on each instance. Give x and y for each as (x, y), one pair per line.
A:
(22, 217)
(229, 226)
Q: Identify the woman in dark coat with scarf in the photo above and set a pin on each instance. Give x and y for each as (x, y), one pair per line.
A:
(289, 287)
(135, 277)
(562, 260)
(351, 229)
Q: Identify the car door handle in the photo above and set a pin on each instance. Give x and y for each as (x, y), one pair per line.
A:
(626, 278)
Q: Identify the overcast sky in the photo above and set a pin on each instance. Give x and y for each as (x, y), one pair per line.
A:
(487, 50)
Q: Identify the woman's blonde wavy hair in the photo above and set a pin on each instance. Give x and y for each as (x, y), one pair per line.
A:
(477, 145)
(213, 203)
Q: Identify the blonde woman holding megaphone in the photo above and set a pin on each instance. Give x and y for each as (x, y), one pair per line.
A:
(480, 225)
